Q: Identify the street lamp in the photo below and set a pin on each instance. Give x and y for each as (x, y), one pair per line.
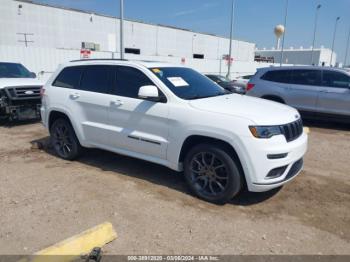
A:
(122, 29)
(335, 31)
(231, 32)
(315, 29)
(285, 24)
(347, 49)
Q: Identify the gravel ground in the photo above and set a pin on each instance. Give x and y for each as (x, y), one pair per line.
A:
(44, 199)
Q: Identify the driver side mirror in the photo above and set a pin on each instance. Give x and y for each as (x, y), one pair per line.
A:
(149, 92)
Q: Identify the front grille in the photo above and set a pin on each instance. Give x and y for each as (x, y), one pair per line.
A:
(292, 130)
(23, 92)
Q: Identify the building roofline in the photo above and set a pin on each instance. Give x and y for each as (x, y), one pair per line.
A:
(289, 67)
(294, 49)
(129, 20)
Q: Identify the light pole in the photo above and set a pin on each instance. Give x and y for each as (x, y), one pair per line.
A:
(231, 33)
(315, 29)
(335, 31)
(122, 29)
(285, 26)
(347, 49)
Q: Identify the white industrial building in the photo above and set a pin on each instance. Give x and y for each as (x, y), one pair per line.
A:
(42, 36)
(319, 56)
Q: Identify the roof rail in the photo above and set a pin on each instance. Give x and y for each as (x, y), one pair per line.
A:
(99, 59)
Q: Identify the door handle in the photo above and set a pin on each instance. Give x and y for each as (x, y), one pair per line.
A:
(74, 96)
(116, 103)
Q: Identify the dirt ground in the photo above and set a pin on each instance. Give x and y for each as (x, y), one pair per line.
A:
(44, 200)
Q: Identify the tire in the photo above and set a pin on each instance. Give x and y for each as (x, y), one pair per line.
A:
(216, 179)
(64, 140)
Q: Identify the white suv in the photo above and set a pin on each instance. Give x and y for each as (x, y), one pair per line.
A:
(176, 117)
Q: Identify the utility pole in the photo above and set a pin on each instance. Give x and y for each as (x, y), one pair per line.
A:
(335, 31)
(122, 29)
(25, 41)
(347, 49)
(285, 28)
(315, 29)
(231, 33)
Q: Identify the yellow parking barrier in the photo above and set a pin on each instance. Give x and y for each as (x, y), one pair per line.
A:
(73, 247)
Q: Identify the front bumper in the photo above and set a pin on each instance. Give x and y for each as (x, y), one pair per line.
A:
(260, 166)
(22, 112)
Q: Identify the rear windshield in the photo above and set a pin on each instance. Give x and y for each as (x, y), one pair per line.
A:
(187, 83)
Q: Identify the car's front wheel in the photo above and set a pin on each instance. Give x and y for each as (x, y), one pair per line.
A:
(212, 173)
(64, 140)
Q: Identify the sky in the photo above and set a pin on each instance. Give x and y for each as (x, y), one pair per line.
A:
(254, 19)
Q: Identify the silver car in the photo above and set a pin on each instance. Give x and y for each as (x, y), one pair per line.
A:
(315, 91)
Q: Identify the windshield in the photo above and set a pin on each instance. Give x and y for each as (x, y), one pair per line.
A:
(187, 83)
(12, 70)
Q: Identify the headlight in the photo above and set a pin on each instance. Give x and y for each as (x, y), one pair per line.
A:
(265, 131)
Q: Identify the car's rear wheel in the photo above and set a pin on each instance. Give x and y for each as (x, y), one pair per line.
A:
(64, 140)
(212, 173)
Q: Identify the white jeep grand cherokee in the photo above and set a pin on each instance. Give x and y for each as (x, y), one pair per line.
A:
(176, 117)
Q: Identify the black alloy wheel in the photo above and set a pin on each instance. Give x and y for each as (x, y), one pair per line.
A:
(64, 140)
(212, 173)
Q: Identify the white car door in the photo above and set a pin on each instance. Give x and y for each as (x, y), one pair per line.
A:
(88, 100)
(138, 125)
(334, 97)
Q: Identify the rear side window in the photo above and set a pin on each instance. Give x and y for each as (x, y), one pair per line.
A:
(69, 77)
(96, 78)
(335, 79)
(129, 80)
(306, 77)
(279, 76)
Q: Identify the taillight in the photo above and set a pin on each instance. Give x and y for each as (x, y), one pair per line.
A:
(42, 91)
(250, 86)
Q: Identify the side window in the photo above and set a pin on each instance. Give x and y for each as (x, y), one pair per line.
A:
(335, 79)
(129, 80)
(96, 78)
(280, 76)
(306, 77)
(69, 77)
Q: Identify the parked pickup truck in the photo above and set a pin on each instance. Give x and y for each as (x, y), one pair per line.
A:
(19, 92)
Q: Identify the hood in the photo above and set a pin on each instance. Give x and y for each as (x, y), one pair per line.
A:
(260, 111)
(20, 82)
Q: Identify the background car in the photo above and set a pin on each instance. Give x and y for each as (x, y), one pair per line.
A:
(227, 84)
(315, 91)
(242, 81)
